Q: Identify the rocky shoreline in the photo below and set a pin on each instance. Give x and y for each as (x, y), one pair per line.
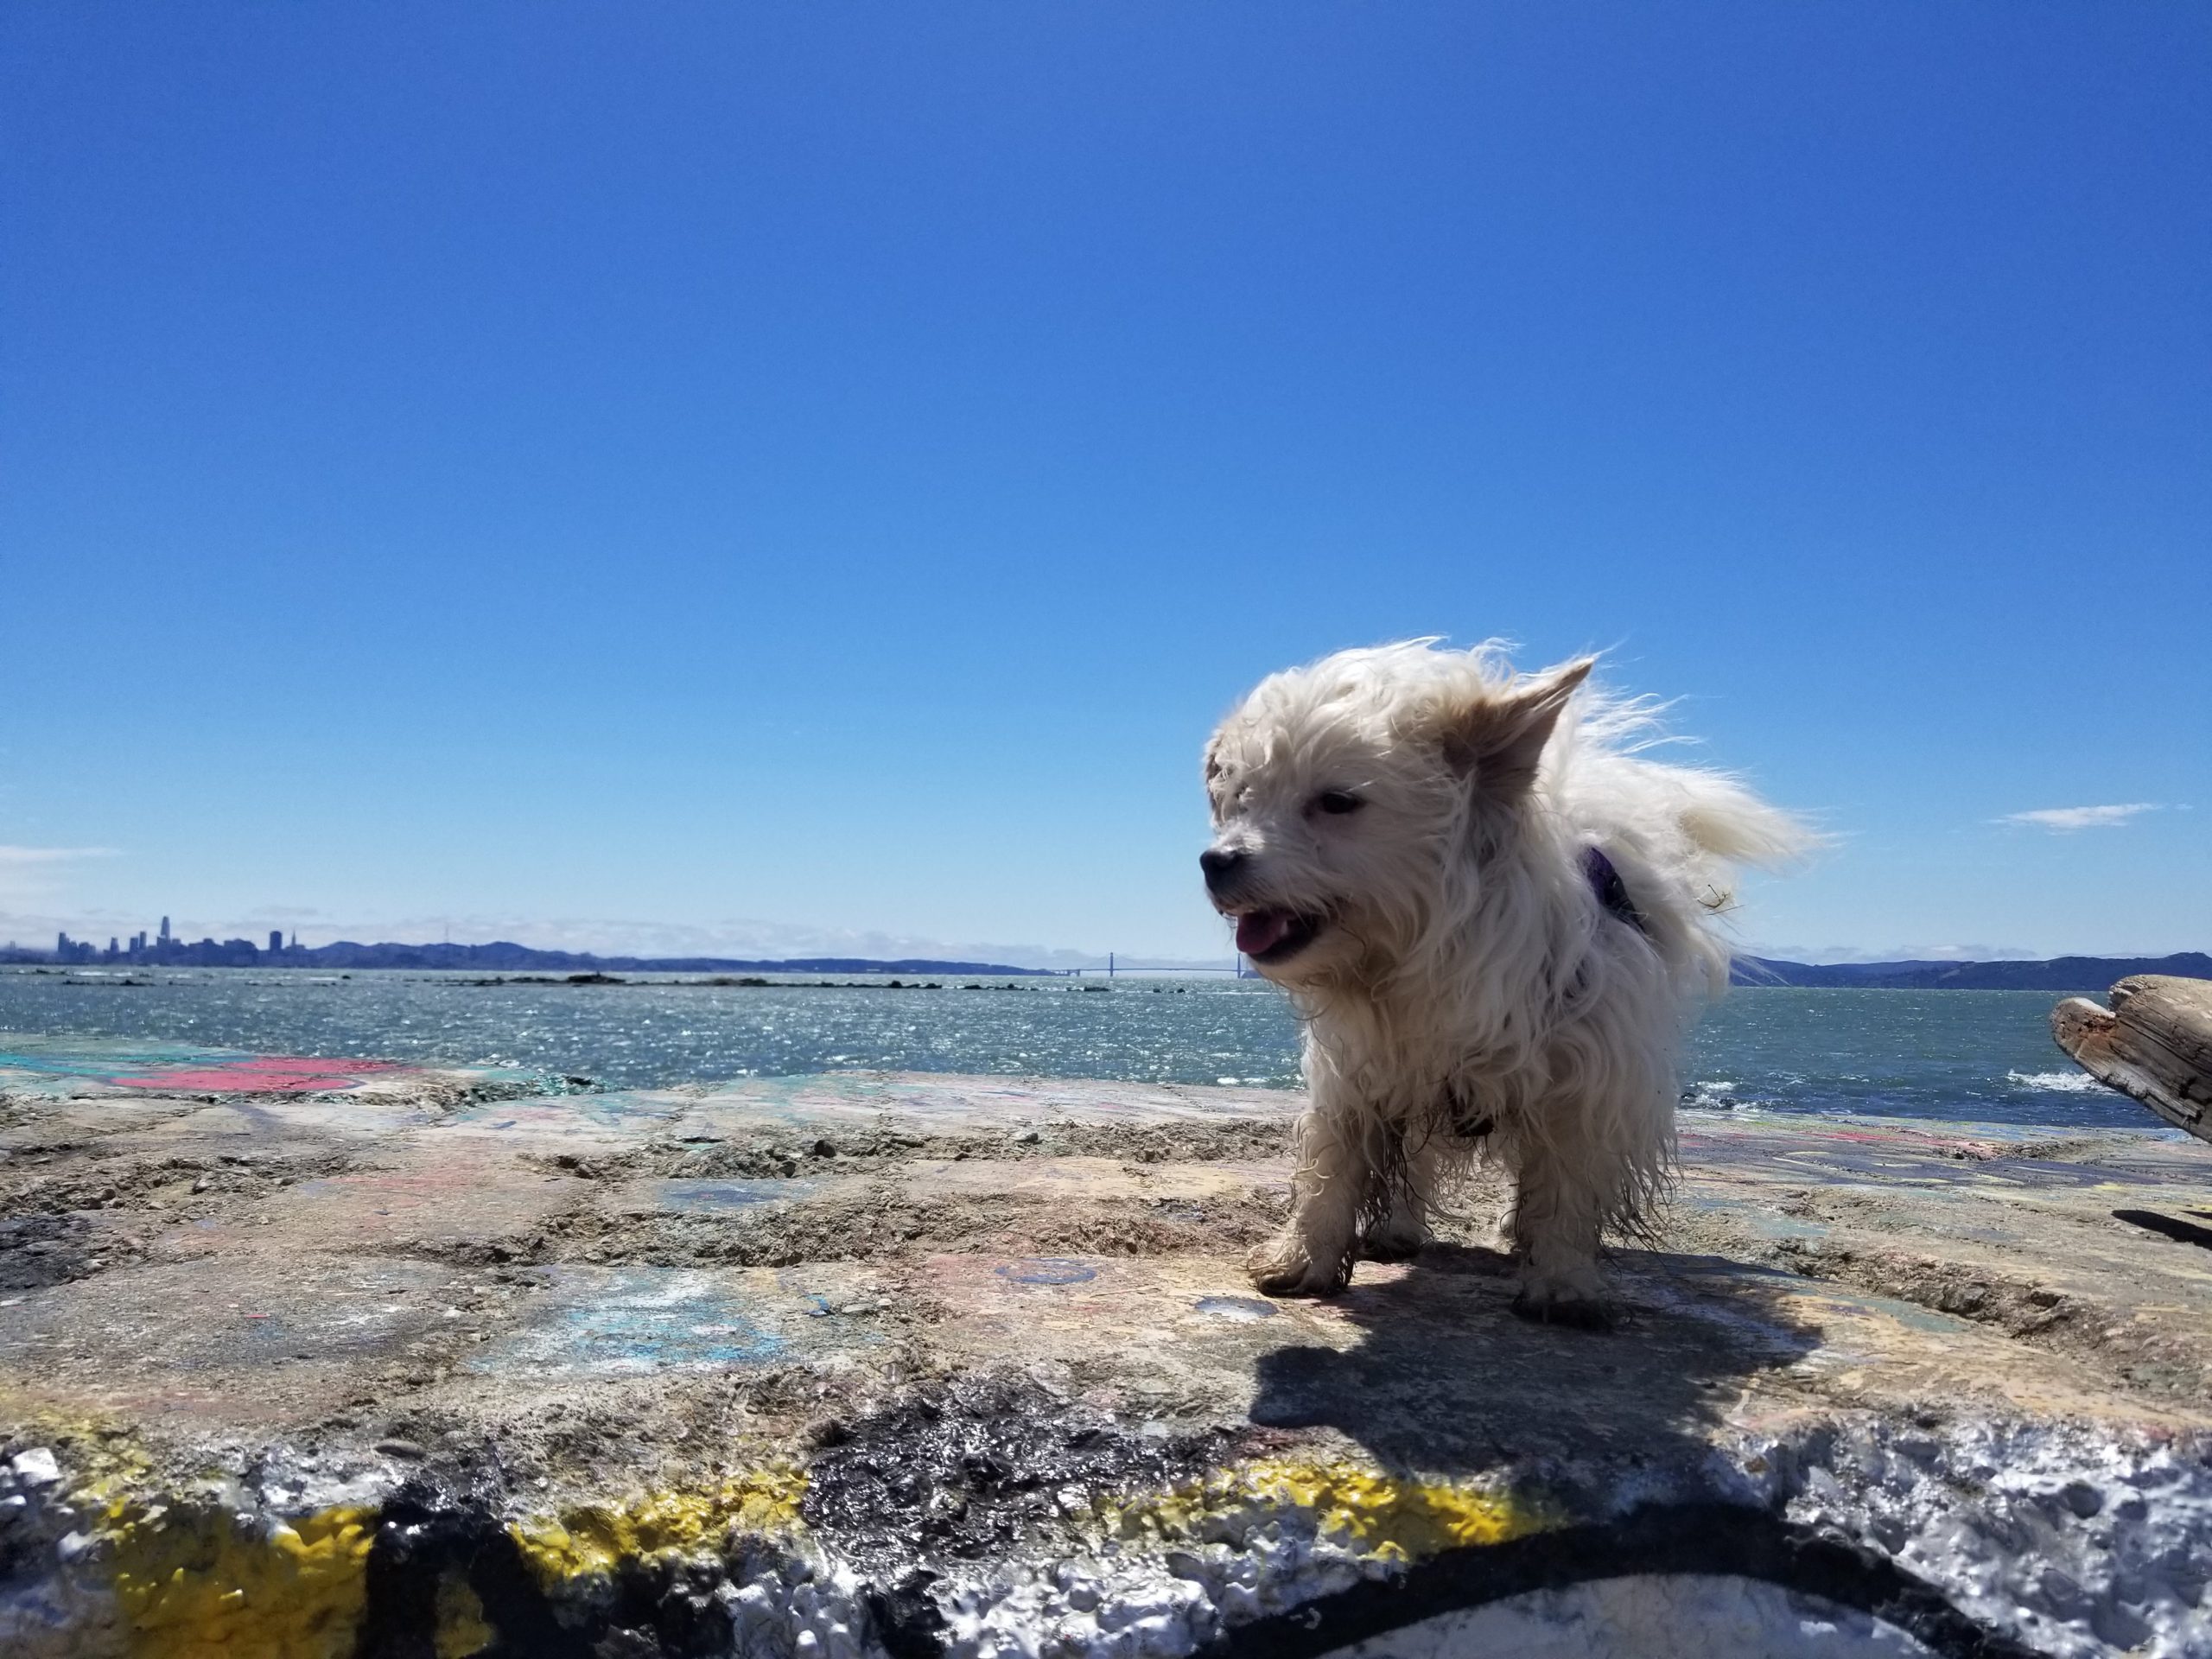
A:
(337, 1358)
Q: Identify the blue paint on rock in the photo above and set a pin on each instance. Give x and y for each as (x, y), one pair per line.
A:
(1239, 1308)
(1047, 1270)
(641, 1320)
(710, 1196)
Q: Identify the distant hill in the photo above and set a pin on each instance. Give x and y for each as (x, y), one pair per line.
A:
(2059, 974)
(501, 955)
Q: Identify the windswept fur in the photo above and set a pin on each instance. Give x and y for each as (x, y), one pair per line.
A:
(1404, 836)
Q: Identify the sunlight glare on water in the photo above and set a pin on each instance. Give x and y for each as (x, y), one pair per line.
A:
(1958, 1054)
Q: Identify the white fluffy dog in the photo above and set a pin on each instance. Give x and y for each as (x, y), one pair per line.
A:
(1495, 918)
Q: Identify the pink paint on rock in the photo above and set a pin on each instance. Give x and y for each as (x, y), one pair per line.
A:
(268, 1074)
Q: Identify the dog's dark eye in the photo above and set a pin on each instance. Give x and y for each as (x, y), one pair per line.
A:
(1337, 800)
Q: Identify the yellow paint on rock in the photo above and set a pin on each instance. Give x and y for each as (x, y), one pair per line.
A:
(589, 1539)
(100, 1458)
(1385, 1516)
(206, 1587)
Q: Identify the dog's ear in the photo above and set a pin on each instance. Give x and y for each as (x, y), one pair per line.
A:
(1498, 738)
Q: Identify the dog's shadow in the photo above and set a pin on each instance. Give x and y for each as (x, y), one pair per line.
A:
(1445, 1380)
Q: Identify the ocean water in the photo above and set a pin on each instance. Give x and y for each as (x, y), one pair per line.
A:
(1984, 1055)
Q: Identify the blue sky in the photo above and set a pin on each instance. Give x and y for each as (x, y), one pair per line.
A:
(701, 476)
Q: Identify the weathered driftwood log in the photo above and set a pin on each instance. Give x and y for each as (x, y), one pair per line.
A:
(2154, 1045)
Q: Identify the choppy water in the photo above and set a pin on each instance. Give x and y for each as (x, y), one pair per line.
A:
(1962, 1054)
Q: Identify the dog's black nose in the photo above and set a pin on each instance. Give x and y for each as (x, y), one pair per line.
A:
(1220, 865)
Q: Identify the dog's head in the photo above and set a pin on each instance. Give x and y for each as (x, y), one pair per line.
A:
(1350, 795)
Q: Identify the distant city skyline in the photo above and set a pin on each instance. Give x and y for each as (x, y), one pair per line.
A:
(162, 947)
(606, 473)
(754, 939)
(733, 939)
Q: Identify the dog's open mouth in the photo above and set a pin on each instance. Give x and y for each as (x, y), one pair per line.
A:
(1273, 936)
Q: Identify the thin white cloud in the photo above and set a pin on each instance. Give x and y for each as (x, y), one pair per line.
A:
(2068, 818)
(17, 856)
(35, 872)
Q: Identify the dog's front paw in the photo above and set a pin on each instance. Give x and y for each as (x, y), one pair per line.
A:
(1284, 1266)
(1579, 1310)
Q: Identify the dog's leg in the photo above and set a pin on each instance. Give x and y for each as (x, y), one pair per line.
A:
(1397, 1224)
(1558, 1212)
(1312, 1256)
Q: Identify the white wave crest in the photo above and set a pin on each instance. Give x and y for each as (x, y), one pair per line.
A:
(2059, 1082)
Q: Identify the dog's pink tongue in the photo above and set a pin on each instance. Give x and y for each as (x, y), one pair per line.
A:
(1260, 931)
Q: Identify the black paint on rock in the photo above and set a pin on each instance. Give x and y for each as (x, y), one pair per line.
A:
(429, 1543)
(970, 1471)
(38, 1250)
(1659, 1539)
(906, 1620)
